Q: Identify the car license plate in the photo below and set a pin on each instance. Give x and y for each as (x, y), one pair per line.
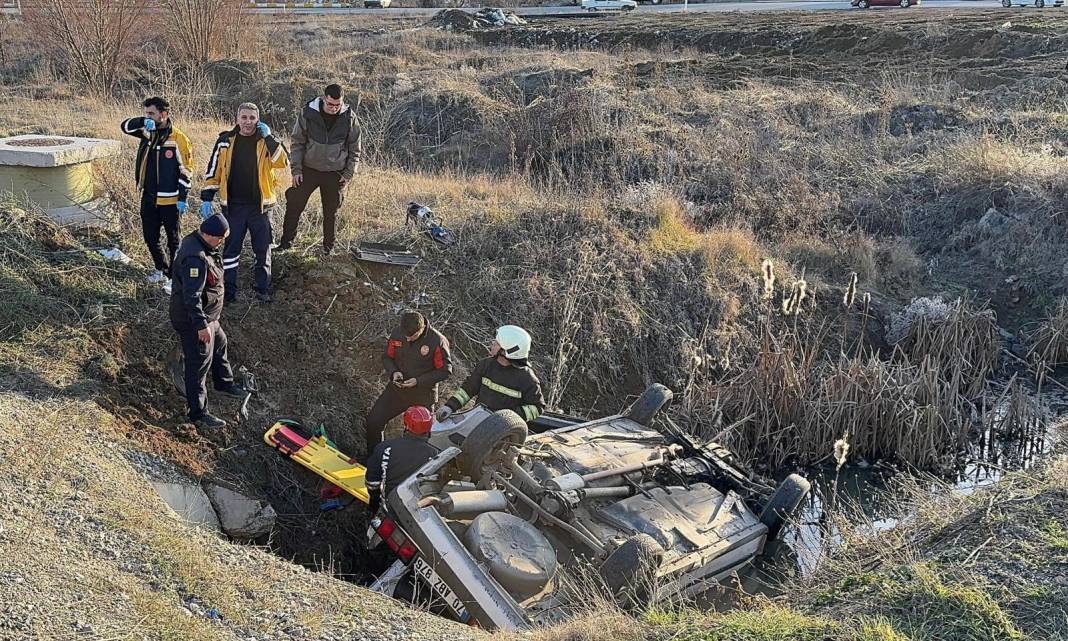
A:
(423, 569)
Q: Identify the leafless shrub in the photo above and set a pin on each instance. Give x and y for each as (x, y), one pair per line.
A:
(96, 37)
(203, 30)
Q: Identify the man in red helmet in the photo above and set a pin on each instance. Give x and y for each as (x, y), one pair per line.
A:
(395, 459)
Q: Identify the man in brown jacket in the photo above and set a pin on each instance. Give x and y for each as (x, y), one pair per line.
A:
(416, 359)
(324, 155)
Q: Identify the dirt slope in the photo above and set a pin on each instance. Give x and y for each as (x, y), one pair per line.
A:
(88, 550)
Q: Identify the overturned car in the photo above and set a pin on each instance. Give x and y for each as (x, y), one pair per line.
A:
(485, 531)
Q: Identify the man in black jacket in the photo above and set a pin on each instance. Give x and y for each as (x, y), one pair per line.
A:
(196, 305)
(325, 155)
(416, 359)
(393, 461)
(162, 173)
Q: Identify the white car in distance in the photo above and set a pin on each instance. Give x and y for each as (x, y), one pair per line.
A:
(608, 5)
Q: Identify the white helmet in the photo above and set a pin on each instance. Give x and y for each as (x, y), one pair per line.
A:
(514, 342)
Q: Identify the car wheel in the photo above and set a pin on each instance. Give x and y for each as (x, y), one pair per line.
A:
(653, 399)
(1040, 3)
(1006, 3)
(863, 4)
(486, 444)
(629, 571)
(905, 4)
(783, 503)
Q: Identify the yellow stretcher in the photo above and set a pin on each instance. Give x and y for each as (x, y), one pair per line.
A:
(318, 455)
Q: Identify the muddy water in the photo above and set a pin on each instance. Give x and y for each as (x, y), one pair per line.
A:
(866, 490)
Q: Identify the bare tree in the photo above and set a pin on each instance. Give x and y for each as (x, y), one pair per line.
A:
(204, 30)
(96, 36)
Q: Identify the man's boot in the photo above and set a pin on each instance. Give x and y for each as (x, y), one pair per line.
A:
(209, 422)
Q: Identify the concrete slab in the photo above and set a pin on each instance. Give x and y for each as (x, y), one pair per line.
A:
(240, 516)
(54, 151)
(190, 503)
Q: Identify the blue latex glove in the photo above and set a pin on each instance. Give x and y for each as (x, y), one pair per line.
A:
(150, 125)
(205, 210)
(181, 207)
(263, 129)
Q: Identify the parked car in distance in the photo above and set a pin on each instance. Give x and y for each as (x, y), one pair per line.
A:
(1038, 4)
(608, 5)
(376, 4)
(865, 4)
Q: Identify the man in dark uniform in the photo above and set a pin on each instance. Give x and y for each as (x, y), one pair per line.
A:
(394, 460)
(196, 305)
(504, 381)
(416, 359)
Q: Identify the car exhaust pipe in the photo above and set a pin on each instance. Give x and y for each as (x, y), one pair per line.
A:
(473, 502)
(573, 481)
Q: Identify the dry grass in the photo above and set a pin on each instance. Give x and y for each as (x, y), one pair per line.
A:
(1049, 342)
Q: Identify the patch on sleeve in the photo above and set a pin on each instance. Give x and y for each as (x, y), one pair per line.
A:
(194, 272)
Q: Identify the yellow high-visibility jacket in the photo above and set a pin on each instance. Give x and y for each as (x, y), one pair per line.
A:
(270, 155)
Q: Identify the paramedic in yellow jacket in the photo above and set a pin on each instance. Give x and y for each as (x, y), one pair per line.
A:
(241, 171)
(163, 169)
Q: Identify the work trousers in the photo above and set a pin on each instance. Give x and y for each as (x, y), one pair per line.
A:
(391, 404)
(199, 359)
(153, 218)
(329, 185)
(257, 223)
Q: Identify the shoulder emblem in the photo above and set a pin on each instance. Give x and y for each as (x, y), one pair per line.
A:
(194, 272)
(424, 350)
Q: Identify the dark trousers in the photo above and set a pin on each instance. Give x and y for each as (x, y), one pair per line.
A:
(389, 405)
(329, 185)
(247, 218)
(153, 217)
(199, 358)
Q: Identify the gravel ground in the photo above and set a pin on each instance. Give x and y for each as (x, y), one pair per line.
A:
(89, 551)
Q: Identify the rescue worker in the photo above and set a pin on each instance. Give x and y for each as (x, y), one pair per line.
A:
(504, 381)
(196, 305)
(326, 155)
(162, 173)
(241, 170)
(394, 460)
(416, 359)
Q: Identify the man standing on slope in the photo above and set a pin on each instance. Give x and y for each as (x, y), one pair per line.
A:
(196, 306)
(504, 381)
(164, 157)
(325, 156)
(241, 171)
(416, 359)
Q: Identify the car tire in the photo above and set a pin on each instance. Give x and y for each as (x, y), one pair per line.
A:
(489, 439)
(1006, 3)
(1040, 3)
(783, 503)
(905, 4)
(655, 398)
(629, 571)
(863, 4)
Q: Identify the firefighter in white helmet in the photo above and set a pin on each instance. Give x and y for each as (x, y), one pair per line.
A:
(504, 381)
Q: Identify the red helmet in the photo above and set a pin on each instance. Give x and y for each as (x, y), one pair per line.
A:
(417, 420)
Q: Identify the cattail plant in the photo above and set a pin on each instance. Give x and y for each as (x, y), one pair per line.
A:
(847, 303)
(768, 270)
(851, 291)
